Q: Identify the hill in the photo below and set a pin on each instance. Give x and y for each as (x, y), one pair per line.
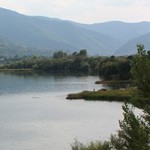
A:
(10, 49)
(46, 35)
(52, 34)
(129, 48)
(121, 30)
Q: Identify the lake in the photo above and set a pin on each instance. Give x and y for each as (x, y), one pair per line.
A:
(35, 115)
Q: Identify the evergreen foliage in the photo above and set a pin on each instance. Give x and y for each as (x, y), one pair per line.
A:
(141, 70)
(134, 133)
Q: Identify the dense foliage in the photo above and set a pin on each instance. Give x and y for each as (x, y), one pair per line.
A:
(141, 70)
(79, 62)
(115, 68)
(134, 132)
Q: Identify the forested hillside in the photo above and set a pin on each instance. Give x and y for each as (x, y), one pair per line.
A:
(48, 34)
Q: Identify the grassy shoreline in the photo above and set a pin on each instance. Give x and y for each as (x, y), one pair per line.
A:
(108, 95)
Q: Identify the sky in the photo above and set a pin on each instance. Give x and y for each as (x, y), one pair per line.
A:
(83, 11)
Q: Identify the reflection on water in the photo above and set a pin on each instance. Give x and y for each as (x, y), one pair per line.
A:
(31, 73)
(18, 82)
(117, 86)
(35, 115)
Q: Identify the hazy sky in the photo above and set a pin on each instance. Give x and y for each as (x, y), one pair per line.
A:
(84, 11)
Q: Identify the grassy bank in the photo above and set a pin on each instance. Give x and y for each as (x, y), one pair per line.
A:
(109, 95)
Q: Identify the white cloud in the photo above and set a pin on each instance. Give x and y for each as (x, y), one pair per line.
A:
(87, 11)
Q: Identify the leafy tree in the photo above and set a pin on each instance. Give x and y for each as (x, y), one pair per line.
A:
(134, 133)
(59, 54)
(141, 70)
(83, 52)
(108, 69)
(124, 68)
(115, 68)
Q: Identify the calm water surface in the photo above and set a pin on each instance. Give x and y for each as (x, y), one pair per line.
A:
(34, 114)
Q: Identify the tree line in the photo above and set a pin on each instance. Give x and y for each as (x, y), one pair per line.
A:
(78, 62)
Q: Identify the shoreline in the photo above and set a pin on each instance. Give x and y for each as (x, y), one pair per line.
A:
(103, 95)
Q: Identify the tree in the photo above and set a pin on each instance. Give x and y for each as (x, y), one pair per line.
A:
(124, 68)
(141, 70)
(108, 69)
(59, 54)
(83, 52)
(134, 133)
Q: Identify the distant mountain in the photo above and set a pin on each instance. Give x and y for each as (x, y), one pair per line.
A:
(46, 35)
(121, 30)
(9, 49)
(53, 34)
(130, 47)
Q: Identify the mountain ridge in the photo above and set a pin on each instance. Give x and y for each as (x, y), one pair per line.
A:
(50, 34)
(53, 34)
(130, 47)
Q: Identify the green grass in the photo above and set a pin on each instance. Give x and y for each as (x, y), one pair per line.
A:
(109, 95)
